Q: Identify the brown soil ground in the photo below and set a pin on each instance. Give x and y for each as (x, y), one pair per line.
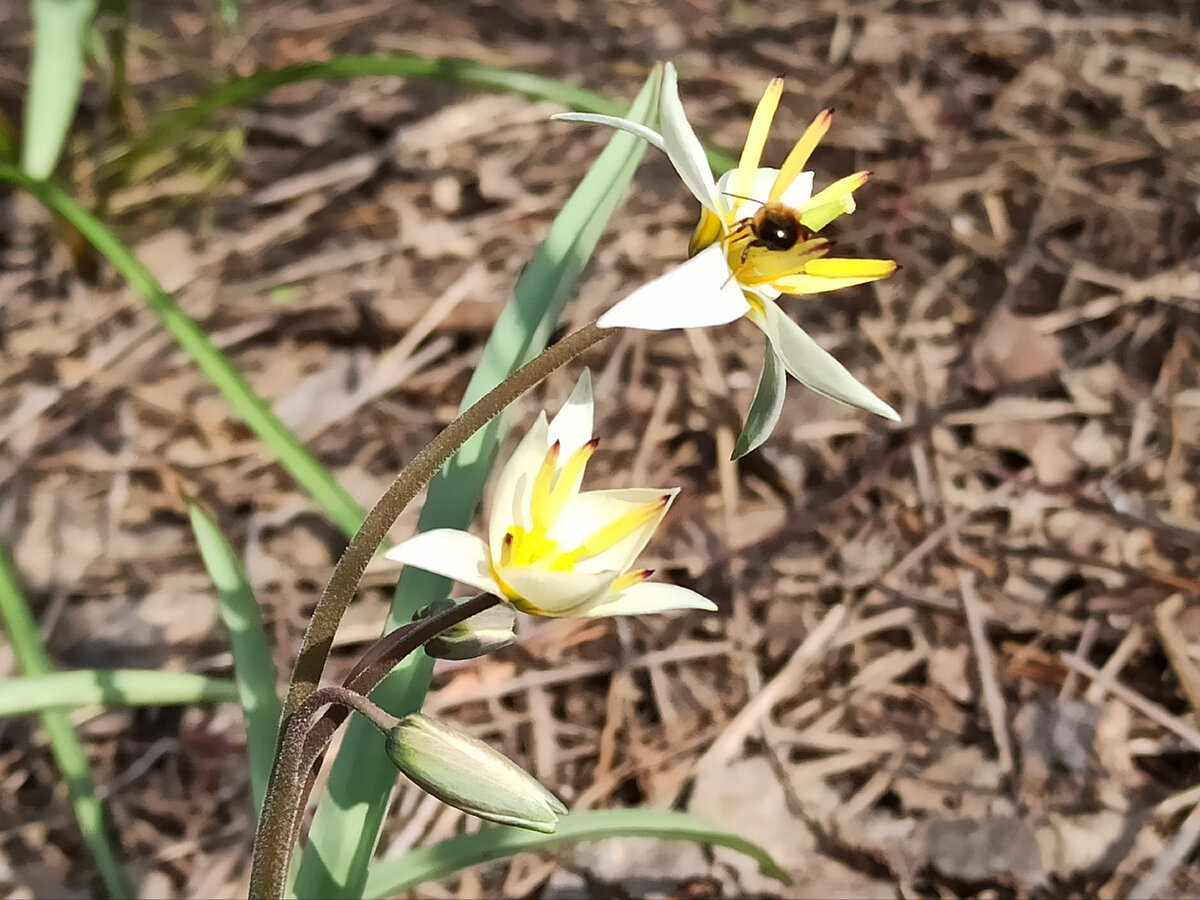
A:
(907, 611)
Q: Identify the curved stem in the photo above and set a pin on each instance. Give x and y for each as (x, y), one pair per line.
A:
(381, 658)
(272, 844)
(327, 615)
(291, 758)
(303, 742)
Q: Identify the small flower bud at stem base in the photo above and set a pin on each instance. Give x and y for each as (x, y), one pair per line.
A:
(479, 635)
(466, 773)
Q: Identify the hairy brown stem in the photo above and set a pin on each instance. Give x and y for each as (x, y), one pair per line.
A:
(381, 658)
(272, 841)
(291, 757)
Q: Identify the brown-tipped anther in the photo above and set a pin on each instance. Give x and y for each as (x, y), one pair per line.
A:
(646, 573)
(593, 443)
(664, 499)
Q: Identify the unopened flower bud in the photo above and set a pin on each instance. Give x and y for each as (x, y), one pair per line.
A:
(466, 773)
(481, 634)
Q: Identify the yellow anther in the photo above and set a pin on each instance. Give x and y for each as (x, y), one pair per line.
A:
(756, 139)
(617, 530)
(798, 158)
(629, 579)
(543, 482)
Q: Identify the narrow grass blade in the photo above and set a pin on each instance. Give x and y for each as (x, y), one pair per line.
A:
(55, 80)
(291, 452)
(65, 745)
(453, 71)
(237, 91)
(110, 687)
(349, 816)
(253, 668)
(230, 12)
(392, 876)
(8, 140)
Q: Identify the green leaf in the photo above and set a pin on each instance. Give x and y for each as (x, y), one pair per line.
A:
(109, 687)
(256, 413)
(392, 876)
(55, 80)
(65, 745)
(453, 71)
(765, 407)
(348, 818)
(253, 668)
(230, 13)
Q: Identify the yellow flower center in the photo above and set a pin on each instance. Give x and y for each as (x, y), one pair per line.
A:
(533, 547)
(756, 259)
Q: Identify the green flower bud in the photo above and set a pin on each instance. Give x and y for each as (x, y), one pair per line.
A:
(466, 773)
(481, 634)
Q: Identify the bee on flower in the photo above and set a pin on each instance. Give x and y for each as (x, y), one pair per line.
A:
(553, 549)
(757, 239)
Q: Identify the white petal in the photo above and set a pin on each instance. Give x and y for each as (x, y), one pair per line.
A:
(449, 552)
(696, 294)
(545, 593)
(815, 368)
(760, 189)
(572, 427)
(648, 597)
(585, 514)
(798, 191)
(651, 137)
(682, 146)
(766, 407)
(510, 499)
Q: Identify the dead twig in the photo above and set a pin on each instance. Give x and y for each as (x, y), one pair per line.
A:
(1150, 710)
(993, 699)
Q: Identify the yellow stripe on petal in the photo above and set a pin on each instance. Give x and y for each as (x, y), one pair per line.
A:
(815, 284)
(756, 139)
(614, 532)
(765, 266)
(629, 579)
(568, 479)
(540, 513)
(851, 268)
(798, 158)
(708, 230)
